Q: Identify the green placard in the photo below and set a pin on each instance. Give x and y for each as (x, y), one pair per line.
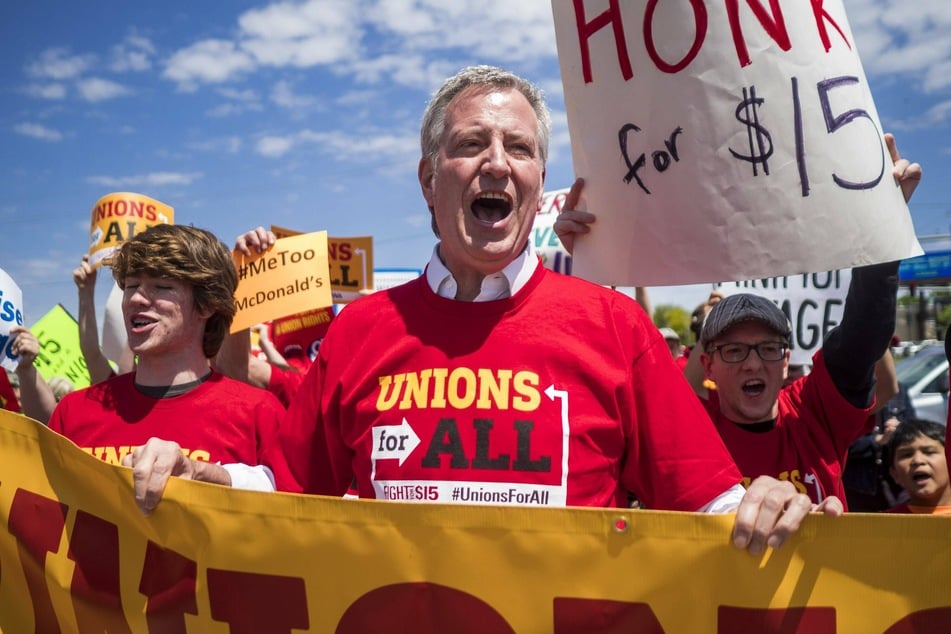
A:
(60, 355)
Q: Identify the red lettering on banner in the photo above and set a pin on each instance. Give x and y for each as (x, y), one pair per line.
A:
(94, 546)
(423, 608)
(933, 620)
(776, 620)
(700, 33)
(37, 522)
(251, 602)
(612, 16)
(168, 580)
(775, 27)
(580, 616)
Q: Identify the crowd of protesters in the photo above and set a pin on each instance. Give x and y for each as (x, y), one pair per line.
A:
(479, 336)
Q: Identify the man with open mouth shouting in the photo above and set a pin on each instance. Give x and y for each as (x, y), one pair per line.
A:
(172, 415)
(492, 380)
(800, 432)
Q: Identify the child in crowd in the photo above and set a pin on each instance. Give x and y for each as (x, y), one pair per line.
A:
(919, 465)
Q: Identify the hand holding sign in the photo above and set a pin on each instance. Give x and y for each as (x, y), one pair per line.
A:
(572, 220)
(289, 277)
(725, 141)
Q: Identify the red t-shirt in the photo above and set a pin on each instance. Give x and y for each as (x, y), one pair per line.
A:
(564, 394)
(809, 442)
(8, 399)
(221, 420)
(284, 384)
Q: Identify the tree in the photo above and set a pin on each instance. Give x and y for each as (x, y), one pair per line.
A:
(675, 317)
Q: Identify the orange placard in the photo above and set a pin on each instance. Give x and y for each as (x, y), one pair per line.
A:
(351, 264)
(117, 217)
(290, 277)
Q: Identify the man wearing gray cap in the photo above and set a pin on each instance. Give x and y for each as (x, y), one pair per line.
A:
(800, 432)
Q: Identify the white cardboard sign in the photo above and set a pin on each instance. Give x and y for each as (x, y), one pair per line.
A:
(11, 314)
(548, 246)
(813, 302)
(724, 140)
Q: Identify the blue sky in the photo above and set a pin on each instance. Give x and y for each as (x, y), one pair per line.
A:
(306, 115)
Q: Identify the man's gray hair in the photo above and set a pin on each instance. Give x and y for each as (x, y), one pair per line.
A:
(490, 77)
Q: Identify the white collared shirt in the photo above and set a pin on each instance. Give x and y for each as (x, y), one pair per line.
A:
(501, 285)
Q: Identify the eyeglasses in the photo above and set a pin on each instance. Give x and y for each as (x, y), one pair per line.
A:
(737, 352)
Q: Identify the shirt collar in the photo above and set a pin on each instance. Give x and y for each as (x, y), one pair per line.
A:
(501, 285)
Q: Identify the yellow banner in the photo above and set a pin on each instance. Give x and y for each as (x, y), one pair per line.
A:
(60, 355)
(351, 264)
(76, 555)
(118, 217)
(289, 278)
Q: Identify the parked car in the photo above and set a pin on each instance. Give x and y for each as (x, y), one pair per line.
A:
(926, 375)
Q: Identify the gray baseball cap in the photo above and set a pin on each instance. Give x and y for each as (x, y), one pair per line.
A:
(734, 309)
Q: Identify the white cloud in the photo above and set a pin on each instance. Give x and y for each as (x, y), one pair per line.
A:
(363, 146)
(911, 41)
(407, 70)
(938, 76)
(133, 54)
(224, 110)
(244, 96)
(231, 145)
(356, 98)
(42, 268)
(281, 34)
(46, 91)
(302, 34)
(210, 61)
(96, 89)
(57, 63)
(38, 131)
(151, 179)
(418, 221)
(937, 115)
(274, 146)
(284, 96)
(503, 31)
(241, 101)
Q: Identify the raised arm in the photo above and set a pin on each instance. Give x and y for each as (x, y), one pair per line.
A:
(98, 365)
(868, 322)
(274, 357)
(36, 397)
(234, 358)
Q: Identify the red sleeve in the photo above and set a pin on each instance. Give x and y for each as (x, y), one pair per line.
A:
(284, 384)
(676, 459)
(8, 399)
(268, 415)
(311, 441)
